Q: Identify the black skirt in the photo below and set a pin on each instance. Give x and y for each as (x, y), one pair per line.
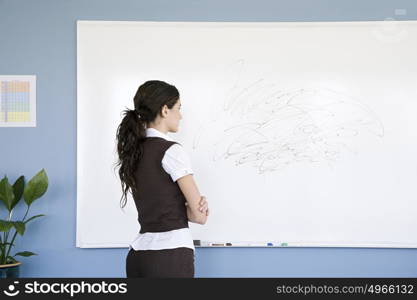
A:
(164, 263)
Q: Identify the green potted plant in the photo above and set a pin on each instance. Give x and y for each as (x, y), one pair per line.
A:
(10, 196)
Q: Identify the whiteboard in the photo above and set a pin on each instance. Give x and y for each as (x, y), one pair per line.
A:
(298, 132)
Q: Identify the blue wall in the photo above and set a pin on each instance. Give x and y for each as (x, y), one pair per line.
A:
(39, 37)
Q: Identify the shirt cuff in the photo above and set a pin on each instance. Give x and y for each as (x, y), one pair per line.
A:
(180, 173)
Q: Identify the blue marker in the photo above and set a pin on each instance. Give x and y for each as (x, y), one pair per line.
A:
(269, 244)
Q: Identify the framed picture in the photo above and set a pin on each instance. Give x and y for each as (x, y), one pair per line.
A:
(17, 100)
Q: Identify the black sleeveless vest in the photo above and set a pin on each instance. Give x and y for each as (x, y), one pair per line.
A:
(159, 200)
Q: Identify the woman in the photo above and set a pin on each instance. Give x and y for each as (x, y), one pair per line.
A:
(158, 173)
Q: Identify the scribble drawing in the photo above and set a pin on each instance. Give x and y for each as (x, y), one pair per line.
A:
(271, 127)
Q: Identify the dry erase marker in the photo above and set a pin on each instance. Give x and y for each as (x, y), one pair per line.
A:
(217, 244)
(239, 244)
(214, 244)
(257, 244)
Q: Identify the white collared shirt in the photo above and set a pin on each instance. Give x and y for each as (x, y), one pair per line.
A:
(177, 164)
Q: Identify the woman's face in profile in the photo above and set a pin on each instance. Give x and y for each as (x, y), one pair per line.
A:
(174, 117)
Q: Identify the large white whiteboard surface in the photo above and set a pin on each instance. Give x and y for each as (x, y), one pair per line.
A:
(303, 133)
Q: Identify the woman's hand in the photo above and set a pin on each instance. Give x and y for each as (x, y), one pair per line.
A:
(204, 206)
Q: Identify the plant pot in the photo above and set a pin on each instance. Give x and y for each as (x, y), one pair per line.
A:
(10, 270)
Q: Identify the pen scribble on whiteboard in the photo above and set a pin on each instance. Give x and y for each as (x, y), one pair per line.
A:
(270, 126)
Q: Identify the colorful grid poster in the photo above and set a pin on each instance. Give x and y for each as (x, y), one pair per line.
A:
(17, 101)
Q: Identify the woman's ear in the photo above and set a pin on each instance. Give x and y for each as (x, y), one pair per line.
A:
(164, 111)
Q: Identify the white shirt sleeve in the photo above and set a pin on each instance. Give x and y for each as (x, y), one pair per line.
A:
(176, 162)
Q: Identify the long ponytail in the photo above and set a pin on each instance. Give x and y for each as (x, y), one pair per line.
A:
(130, 134)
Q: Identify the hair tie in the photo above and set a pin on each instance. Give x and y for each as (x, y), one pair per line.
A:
(136, 112)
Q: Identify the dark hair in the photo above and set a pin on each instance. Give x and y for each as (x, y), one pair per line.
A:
(149, 99)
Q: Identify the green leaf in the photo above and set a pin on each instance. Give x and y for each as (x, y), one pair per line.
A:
(11, 260)
(6, 193)
(20, 227)
(18, 188)
(36, 187)
(31, 218)
(25, 253)
(5, 225)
